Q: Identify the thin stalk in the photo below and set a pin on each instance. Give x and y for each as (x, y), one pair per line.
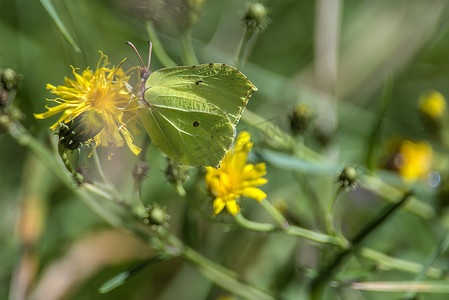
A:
(291, 230)
(220, 275)
(188, 53)
(388, 262)
(329, 215)
(440, 248)
(320, 283)
(158, 49)
(243, 45)
(275, 213)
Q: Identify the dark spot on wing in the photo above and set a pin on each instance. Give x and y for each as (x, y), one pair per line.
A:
(196, 124)
(198, 82)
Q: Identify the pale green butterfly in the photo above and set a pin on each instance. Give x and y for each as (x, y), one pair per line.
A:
(190, 112)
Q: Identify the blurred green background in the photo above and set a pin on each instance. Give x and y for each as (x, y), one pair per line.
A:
(333, 56)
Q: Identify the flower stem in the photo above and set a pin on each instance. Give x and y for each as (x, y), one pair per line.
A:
(218, 274)
(243, 45)
(329, 216)
(158, 49)
(320, 283)
(275, 213)
(291, 230)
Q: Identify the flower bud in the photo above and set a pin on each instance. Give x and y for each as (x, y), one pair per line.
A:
(80, 130)
(256, 17)
(175, 172)
(348, 178)
(9, 79)
(155, 215)
(300, 119)
(140, 171)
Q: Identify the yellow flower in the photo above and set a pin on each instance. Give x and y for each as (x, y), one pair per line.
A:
(106, 93)
(432, 104)
(235, 178)
(414, 160)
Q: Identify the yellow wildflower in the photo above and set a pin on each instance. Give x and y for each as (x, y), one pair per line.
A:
(432, 104)
(414, 160)
(104, 92)
(235, 178)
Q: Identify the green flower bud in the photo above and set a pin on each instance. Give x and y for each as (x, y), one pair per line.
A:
(156, 215)
(300, 119)
(9, 79)
(80, 130)
(256, 17)
(140, 171)
(175, 172)
(348, 178)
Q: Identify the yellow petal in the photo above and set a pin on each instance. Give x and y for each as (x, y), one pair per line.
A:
(232, 207)
(253, 193)
(219, 204)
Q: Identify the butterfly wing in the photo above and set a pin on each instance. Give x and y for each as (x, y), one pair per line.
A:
(193, 111)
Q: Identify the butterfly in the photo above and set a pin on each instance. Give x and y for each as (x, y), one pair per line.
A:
(190, 112)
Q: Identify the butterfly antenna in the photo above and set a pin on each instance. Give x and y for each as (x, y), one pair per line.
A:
(135, 49)
(149, 53)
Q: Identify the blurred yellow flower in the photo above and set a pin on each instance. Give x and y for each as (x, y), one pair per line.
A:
(235, 178)
(104, 92)
(432, 104)
(414, 160)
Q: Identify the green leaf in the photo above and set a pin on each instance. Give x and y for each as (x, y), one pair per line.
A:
(121, 278)
(193, 110)
(54, 15)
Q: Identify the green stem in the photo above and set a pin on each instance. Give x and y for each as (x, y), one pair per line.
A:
(388, 262)
(291, 230)
(274, 213)
(440, 248)
(320, 283)
(391, 193)
(220, 275)
(158, 49)
(329, 216)
(243, 45)
(188, 53)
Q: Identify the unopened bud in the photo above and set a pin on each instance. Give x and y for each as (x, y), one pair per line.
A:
(175, 172)
(140, 171)
(155, 215)
(300, 119)
(256, 17)
(348, 178)
(9, 79)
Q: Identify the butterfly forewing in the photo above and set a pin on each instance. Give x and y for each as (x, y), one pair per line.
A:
(193, 111)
